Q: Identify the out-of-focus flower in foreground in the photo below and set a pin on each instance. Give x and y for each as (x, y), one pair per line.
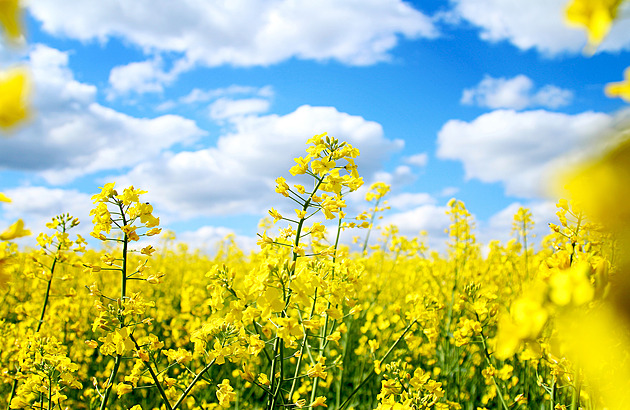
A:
(596, 16)
(10, 18)
(15, 231)
(14, 90)
(602, 188)
(620, 89)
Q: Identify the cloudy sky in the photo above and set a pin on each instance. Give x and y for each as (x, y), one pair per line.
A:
(205, 103)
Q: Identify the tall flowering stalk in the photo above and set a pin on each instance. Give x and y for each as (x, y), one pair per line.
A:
(128, 215)
(46, 370)
(305, 315)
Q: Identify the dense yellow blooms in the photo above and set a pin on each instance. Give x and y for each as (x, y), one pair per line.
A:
(306, 320)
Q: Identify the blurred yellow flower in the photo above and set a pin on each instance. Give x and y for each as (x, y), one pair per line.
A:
(15, 231)
(596, 16)
(14, 87)
(10, 18)
(602, 190)
(620, 89)
(319, 401)
(4, 198)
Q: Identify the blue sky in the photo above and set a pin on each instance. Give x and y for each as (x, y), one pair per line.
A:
(204, 104)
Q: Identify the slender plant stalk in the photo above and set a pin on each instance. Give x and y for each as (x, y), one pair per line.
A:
(123, 294)
(154, 377)
(373, 372)
(192, 384)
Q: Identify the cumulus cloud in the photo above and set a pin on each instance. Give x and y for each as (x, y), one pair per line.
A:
(238, 32)
(198, 95)
(429, 218)
(237, 175)
(407, 200)
(142, 77)
(535, 24)
(516, 93)
(418, 160)
(37, 205)
(224, 108)
(402, 175)
(207, 239)
(499, 225)
(71, 135)
(521, 150)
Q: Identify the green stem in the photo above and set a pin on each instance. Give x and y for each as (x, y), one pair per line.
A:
(494, 380)
(46, 297)
(123, 293)
(367, 235)
(373, 372)
(110, 382)
(13, 390)
(154, 376)
(50, 392)
(192, 384)
(52, 272)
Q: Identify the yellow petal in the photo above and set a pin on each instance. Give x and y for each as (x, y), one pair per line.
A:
(621, 89)
(15, 231)
(14, 85)
(596, 16)
(10, 18)
(4, 198)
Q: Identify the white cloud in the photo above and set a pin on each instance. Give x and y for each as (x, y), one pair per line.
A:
(207, 239)
(37, 205)
(226, 107)
(537, 24)
(141, 77)
(522, 150)
(499, 225)
(237, 176)
(408, 200)
(241, 32)
(199, 95)
(429, 218)
(516, 93)
(402, 175)
(418, 160)
(449, 191)
(71, 135)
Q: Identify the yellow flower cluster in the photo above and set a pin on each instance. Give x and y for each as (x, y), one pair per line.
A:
(307, 321)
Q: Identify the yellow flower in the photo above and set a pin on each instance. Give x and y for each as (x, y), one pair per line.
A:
(301, 167)
(4, 198)
(602, 189)
(620, 89)
(319, 401)
(316, 371)
(225, 394)
(595, 15)
(123, 388)
(282, 187)
(275, 214)
(14, 87)
(15, 231)
(179, 355)
(107, 191)
(10, 18)
(147, 250)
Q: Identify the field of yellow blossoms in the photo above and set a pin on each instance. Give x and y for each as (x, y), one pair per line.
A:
(305, 322)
